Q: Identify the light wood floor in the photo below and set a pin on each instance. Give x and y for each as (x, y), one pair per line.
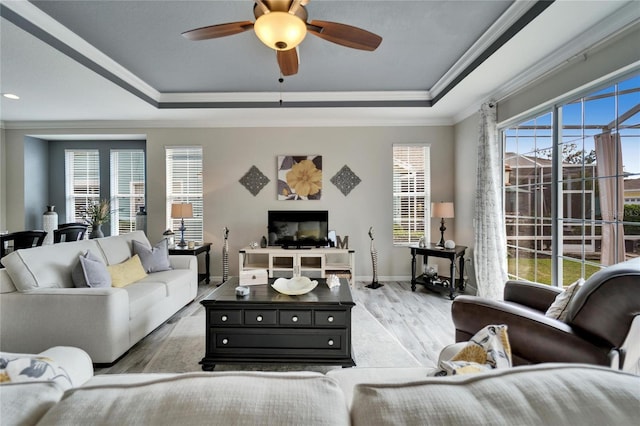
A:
(420, 320)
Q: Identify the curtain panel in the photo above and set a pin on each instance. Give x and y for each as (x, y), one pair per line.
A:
(490, 255)
(611, 189)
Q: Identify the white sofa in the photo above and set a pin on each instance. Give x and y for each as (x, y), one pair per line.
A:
(542, 394)
(41, 308)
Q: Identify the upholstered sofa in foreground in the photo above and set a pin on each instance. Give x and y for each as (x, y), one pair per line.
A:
(40, 307)
(544, 394)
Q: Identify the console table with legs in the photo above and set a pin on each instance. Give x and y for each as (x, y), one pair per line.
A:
(443, 283)
(196, 250)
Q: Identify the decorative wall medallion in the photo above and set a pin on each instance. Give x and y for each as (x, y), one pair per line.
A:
(345, 180)
(299, 177)
(254, 180)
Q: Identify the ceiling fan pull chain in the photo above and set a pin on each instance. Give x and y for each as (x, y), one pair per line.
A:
(281, 80)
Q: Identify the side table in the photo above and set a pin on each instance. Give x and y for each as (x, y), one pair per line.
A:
(203, 248)
(435, 251)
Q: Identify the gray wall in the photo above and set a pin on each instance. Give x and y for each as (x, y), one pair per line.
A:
(618, 56)
(230, 152)
(601, 64)
(3, 179)
(36, 182)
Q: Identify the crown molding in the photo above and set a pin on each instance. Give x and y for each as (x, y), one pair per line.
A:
(383, 96)
(247, 118)
(495, 31)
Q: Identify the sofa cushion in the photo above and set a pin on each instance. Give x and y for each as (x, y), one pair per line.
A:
(25, 403)
(549, 394)
(90, 271)
(144, 295)
(154, 259)
(46, 266)
(117, 249)
(215, 398)
(127, 272)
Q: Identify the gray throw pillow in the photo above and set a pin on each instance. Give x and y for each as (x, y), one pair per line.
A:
(153, 259)
(90, 271)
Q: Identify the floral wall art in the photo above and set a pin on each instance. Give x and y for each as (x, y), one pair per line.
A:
(299, 177)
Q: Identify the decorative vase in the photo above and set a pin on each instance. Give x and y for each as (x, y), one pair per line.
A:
(141, 220)
(49, 223)
(96, 231)
(263, 242)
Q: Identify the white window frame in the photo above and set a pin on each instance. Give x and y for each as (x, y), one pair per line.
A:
(123, 168)
(411, 218)
(76, 200)
(184, 169)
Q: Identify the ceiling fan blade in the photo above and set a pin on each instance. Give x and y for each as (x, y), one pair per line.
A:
(220, 30)
(345, 35)
(288, 61)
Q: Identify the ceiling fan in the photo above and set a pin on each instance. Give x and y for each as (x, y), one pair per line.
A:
(282, 25)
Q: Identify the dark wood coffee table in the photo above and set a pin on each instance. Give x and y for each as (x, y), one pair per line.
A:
(270, 327)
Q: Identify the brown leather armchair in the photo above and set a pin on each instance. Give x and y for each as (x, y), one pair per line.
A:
(599, 319)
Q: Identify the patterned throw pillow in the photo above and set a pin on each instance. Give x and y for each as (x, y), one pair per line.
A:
(488, 349)
(153, 259)
(559, 307)
(21, 368)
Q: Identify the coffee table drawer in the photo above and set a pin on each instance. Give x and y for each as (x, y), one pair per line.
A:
(260, 317)
(293, 318)
(267, 341)
(330, 318)
(225, 317)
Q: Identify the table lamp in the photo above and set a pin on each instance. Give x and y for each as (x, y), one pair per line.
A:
(181, 211)
(442, 210)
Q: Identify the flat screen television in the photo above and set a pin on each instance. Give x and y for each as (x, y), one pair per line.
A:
(298, 228)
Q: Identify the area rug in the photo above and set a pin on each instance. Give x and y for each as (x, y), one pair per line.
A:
(372, 346)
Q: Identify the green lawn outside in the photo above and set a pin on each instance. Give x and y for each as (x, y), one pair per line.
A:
(571, 271)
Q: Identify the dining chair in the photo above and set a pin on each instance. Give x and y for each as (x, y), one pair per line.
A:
(69, 232)
(20, 240)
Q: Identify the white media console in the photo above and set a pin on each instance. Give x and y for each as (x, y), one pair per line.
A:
(310, 262)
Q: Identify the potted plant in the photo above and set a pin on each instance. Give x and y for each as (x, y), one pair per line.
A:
(97, 213)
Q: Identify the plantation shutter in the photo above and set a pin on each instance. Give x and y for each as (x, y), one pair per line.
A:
(184, 185)
(82, 182)
(127, 188)
(411, 193)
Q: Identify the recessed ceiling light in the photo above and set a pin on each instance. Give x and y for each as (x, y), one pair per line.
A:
(10, 96)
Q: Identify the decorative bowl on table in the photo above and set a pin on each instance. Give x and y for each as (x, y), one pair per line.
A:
(294, 286)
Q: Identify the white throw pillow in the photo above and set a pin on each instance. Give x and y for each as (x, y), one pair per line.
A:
(559, 307)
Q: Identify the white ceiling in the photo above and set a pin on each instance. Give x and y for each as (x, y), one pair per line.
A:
(118, 63)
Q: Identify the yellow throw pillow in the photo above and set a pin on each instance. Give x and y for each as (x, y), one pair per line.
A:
(126, 272)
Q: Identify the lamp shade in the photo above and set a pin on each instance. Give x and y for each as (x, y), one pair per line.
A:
(181, 210)
(280, 30)
(442, 210)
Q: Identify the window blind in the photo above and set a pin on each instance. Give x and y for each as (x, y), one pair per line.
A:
(184, 185)
(82, 182)
(411, 193)
(127, 188)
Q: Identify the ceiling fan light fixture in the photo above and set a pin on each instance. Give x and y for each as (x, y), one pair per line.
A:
(280, 30)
